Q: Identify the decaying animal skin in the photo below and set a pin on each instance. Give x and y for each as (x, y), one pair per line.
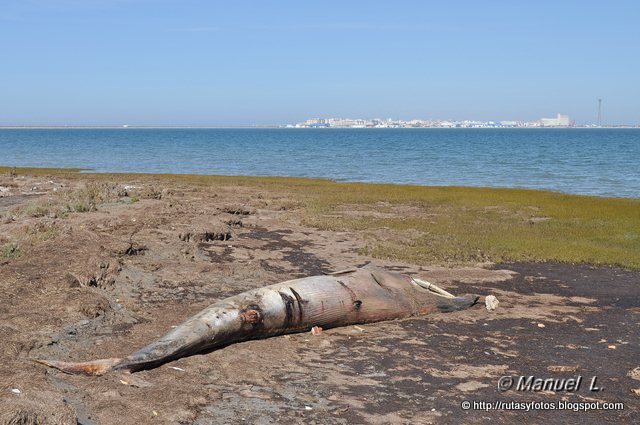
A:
(346, 298)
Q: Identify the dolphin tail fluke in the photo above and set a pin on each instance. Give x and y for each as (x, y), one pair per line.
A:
(458, 303)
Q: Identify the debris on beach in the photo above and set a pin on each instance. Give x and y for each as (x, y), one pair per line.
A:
(363, 295)
(491, 302)
(559, 368)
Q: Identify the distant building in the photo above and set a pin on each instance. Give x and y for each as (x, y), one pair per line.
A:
(559, 121)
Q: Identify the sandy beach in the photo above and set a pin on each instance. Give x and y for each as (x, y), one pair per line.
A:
(99, 265)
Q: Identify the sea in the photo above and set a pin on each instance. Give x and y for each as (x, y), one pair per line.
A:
(594, 161)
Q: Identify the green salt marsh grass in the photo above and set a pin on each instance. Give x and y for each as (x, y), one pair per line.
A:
(460, 224)
(38, 171)
(447, 225)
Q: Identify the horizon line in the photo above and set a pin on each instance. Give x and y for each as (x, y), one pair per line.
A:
(288, 127)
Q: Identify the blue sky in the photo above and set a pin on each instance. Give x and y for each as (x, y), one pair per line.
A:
(187, 62)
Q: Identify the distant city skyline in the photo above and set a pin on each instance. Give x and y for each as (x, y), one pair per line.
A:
(559, 120)
(214, 63)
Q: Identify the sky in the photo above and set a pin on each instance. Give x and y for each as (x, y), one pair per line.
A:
(270, 62)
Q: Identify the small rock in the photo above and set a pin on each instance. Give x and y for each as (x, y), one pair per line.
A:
(611, 347)
(250, 393)
(634, 374)
(557, 368)
(316, 330)
(541, 325)
(491, 302)
(16, 391)
(135, 382)
(470, 386)
(308, 408)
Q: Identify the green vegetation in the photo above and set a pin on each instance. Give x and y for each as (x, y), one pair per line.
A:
(36, 210)
(10, 250)
(14, 171)
(39, 231)
(449, 225)
(85, 199)
(455, 224)
(26, 237)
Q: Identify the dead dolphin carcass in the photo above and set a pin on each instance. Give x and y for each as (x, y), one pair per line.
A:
(354, 296)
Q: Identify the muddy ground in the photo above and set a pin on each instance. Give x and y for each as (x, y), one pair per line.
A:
(84, 285)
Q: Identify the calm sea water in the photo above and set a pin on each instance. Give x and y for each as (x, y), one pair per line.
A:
(585, 161)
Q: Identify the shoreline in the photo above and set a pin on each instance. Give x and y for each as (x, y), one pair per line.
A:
(91, 171)
(279, 127)
(581, 161)
(94, 265)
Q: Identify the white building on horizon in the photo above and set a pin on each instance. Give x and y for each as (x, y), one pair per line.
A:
(559, 121)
